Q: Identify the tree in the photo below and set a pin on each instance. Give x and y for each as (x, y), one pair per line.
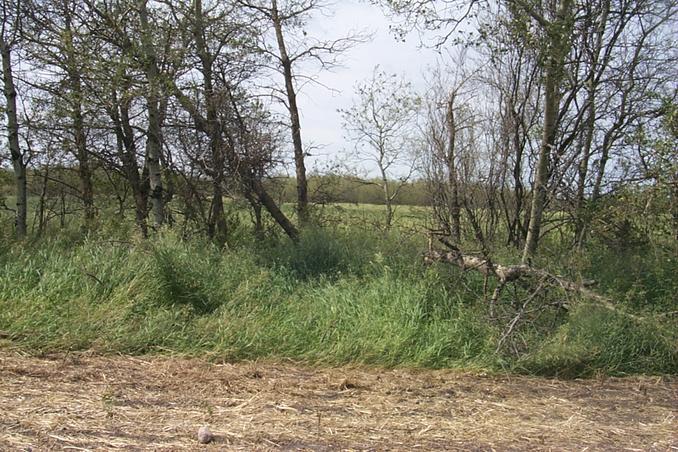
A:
(154, 102)
(57, 43)
(287, 19)
(447, 133)
(9, 38)
(218, 109)
(551, 24)
(381, 125)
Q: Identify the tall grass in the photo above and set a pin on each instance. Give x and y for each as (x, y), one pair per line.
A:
(336, 297)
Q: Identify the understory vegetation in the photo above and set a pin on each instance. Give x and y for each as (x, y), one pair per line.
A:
(513, 208)
(340, 295)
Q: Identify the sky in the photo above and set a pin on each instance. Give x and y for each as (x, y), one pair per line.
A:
(321, 124)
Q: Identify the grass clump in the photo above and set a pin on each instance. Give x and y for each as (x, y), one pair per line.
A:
(596, 340)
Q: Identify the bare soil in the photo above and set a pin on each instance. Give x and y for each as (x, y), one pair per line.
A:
(83, 402)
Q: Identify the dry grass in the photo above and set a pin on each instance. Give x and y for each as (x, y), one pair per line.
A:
(81, 402)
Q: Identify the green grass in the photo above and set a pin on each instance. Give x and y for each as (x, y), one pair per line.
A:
(343, 295)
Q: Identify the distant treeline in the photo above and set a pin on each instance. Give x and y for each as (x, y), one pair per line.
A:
(329, 188)
(337, 188)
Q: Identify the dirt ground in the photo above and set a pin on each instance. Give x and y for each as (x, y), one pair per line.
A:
(82, 402)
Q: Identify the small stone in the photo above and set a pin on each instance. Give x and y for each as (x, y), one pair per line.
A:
(205, 436)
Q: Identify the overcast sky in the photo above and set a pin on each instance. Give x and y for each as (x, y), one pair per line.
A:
(320, 122)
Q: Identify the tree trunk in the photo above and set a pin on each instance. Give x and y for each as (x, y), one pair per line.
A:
(217, 227)
(18, 162)
(551, 107)
(594, 42)
(558, 34)
(256, 211)
(387, 200)
(272, 207)
(43, 201)
(79, 136)
(128, 156)
(154, 132)
(580, 202)
(674, 204)
(453, 180)
(81, 153)
(302, 184)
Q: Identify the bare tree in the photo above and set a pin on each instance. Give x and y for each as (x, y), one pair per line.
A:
(381, 124)
(292, 49)
(447, 124)
(217, 110)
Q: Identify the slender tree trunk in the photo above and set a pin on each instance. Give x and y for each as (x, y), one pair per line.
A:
(580, 202)
(272, 207)
(256, 211)
(519, 188)
(387, 198)
(302, 184)
(128, 156)
(79, 136)
(674, 204)
(558, 32)
(217, 227)
(43, 201)
(551, 107)
(453, 179)
(154, 132)
(84, 169)
(18, 162)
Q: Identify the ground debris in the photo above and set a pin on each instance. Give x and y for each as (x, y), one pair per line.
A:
(157, 403)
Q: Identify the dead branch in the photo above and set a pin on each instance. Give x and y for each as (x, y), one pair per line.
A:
(505, 274)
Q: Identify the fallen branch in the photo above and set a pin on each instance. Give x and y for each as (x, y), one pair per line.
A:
(505, 274)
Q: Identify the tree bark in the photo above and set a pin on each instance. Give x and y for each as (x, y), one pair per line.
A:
(453, 180)
(127, 153)
(18, 163)
(80, 141)
(154, 132)
(216, 227)
(299, 156)
(387, 197)
(558, 33)
(551, 104)
(272, 207)
(79, 136)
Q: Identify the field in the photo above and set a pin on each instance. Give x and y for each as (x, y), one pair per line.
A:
(86, 402)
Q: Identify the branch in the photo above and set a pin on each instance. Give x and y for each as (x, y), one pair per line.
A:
(506, 274)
